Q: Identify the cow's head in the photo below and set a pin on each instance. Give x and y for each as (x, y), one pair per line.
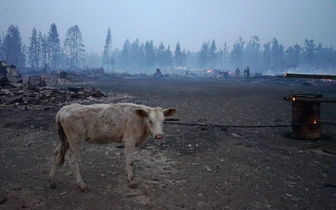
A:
(154, 119)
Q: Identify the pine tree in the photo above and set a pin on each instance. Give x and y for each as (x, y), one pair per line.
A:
(13, 49)
(224, 56)
(237, 52)
(135, 54)
(179, 56)
(126, 53)
(277, 55)
(267, 55)
(149, 54)
(34, 50)
(142, 55)
(168, 57)
(161, 55)
(54, 46)
(297, 53)
(292, 56)
(2, 55)
(74, 47)
(252, 52)
(23, 55)
(203, 55)
(325, 56)
(44, 48)
(309, 52)
(184, 57)
(213, 54)
(107, 54)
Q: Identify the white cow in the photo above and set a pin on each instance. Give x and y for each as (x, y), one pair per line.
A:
(125, 123)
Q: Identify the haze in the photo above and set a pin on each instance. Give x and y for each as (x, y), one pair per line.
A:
(190, 22)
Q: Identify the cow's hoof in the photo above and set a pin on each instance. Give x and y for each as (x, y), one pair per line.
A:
(133, 186)
(84, 189)
(52, 185)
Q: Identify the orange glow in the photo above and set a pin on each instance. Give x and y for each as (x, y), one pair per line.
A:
(314, 122)
(327, 80)
(293, 98)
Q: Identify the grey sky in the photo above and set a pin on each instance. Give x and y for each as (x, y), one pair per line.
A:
(191, 22)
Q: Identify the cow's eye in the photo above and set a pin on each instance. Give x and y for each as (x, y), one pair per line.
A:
(150, 122)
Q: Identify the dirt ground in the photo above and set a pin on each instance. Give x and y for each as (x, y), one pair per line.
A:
(250, 161)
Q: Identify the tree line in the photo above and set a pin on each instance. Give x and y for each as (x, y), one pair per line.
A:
(43, 49)
(135, 55)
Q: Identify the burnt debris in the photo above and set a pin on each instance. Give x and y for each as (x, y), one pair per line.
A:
(46, 95)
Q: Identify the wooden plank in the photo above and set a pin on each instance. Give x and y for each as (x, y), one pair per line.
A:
(328, 100)
(310, 76)
(324, 122)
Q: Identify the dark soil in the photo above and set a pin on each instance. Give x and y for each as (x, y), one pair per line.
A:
(230, 148)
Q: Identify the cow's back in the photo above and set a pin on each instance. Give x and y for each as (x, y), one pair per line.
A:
(101, 123)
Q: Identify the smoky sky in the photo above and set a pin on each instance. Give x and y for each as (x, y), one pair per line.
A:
(189, 22)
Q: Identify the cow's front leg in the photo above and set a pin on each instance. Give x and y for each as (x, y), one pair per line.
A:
(129, 154)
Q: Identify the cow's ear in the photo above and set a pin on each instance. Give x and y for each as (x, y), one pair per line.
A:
(141, 113)
(169, 112)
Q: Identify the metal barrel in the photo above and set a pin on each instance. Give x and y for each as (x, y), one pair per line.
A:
(305, 115)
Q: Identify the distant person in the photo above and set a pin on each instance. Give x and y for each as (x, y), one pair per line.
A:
(248, 74)
(237, 72)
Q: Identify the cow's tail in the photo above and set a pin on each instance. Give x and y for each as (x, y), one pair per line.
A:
(64, 145)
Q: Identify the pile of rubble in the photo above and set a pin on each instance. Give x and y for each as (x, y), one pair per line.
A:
(46, 95)
(13, 91)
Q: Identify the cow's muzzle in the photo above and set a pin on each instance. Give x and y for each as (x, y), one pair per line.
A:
(158, 136)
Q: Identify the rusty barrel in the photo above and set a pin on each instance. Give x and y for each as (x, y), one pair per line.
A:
(305, 115)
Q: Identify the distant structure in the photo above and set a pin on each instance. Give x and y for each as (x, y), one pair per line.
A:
(7, 70)
(157, 73)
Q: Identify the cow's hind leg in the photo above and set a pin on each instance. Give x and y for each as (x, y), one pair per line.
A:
(129, 154)
(73, 160)
(59, 156)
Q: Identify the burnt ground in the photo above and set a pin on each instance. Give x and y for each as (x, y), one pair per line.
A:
(195, 167)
